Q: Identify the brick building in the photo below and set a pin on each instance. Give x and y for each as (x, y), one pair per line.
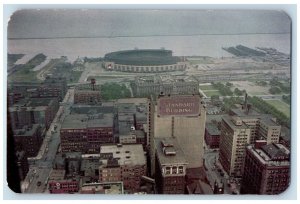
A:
(33, 111)
(87, 93)
(50, 88)
(126, 163)
(212, 135)
(266, 170)
(58, 183)
(102, 188)
(28, 139)
(170, 167)
(133, 116)
(86, 132)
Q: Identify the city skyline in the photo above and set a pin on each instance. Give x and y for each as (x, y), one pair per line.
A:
(148, 116)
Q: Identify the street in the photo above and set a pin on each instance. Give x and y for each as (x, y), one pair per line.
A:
(41, 165)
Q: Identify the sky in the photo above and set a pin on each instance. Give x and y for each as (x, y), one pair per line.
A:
(59, 23)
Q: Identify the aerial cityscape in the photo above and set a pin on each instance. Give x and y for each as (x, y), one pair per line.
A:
(149, 102)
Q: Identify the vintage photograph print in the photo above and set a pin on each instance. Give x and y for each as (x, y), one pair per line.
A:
(148, 101)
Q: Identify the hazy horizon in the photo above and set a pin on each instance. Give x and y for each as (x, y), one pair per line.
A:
(70, 23)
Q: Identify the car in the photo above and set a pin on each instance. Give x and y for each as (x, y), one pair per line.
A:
(38, 183)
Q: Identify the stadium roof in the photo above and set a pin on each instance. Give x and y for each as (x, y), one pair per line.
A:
(144, 57)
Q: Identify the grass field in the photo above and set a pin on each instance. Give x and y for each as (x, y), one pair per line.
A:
(281, 106)
(210, 93)
(25, 74)
(206, 87)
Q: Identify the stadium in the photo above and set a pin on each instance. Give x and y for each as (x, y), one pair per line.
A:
(145, 60)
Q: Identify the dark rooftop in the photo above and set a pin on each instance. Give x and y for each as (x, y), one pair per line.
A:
(212, 129)
(142, 57)
(274, 151)
(26, 130)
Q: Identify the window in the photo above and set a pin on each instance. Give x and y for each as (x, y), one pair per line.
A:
(168, 170)
(180, 169)
(174, 170)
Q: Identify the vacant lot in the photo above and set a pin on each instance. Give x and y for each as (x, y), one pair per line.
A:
(251, 87)
(281, 106)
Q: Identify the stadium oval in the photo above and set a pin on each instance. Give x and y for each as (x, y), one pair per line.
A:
(145, 60)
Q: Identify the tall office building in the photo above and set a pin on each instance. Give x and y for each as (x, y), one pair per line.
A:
(266, 170)
(241, 129)
(234, 137)
(181, 117)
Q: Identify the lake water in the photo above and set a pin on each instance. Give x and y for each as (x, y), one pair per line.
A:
(200, 45)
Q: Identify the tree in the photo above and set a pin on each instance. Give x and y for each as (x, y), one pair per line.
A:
(274, 90)
(229, 84)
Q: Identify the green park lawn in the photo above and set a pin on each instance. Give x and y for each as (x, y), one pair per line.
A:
(281, 106)
(206, 87)
(210, 93)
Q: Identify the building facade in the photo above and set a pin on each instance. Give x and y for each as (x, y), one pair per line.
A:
(212, 135)
(126, 163)
(87, 93)
(182, 117)
(85, 133)
(33, 111)
(170, 167)
(113, 188)
(235, 135)
(239, 130)
(50, 88)
(28, 139)
(167, 84)
(58, 183)
(266, 170)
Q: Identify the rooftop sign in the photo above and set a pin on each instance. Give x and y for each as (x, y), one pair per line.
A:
(179, 106)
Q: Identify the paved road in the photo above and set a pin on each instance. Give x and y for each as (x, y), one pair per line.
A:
(214, 170)
(40, 168)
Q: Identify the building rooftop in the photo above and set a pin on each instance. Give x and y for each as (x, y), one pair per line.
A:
(271, 154)
(141, 116)
(27, 130)
(105, 107)
(212, 129)
(172, 146)
(57, 175)
(126, 154)
(136, 101)
(126, 108)
(242, 112)
(165, 79)
(82, 121)
(229, 121)
(275, 151)
(33, 104)
(103, 188)
(269, 120)
(90, 163)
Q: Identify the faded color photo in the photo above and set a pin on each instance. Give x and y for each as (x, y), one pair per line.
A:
(148, 101)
